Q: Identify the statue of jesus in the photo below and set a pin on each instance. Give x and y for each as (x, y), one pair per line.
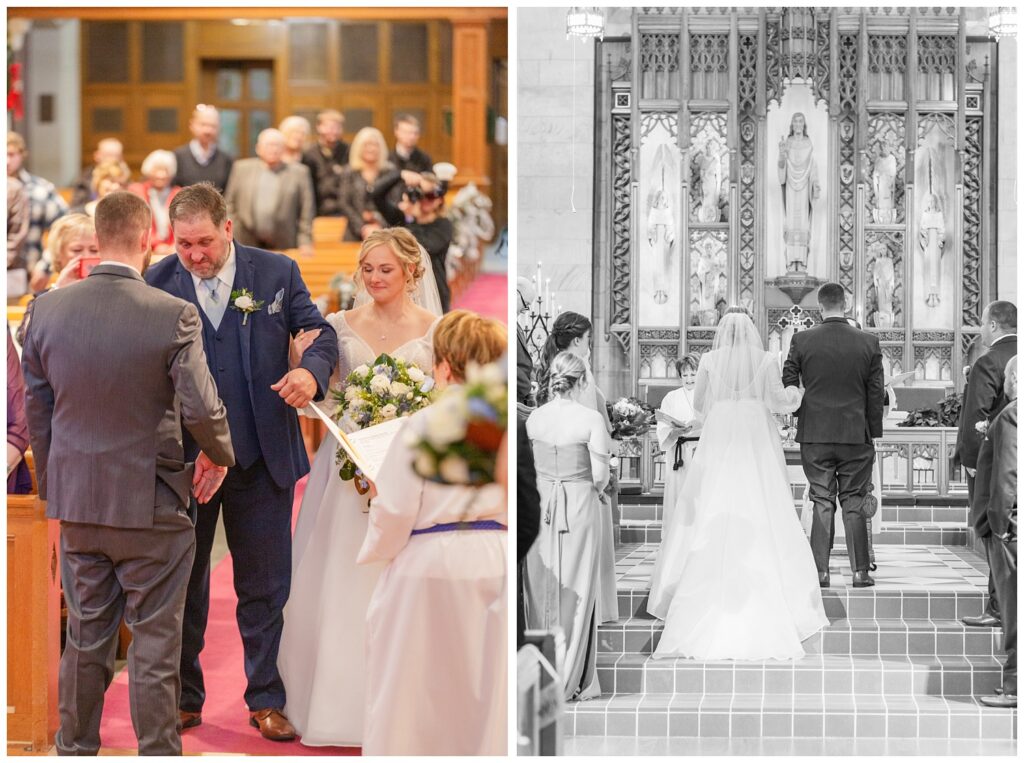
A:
(798, 174)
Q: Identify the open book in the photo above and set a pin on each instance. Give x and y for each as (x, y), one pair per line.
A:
(366, 447)
(665, 418)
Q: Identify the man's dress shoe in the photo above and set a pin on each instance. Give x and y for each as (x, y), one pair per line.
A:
(984, 620)
(861, 579)
(823, 579)
(999, 700)
(272, 724)
(189, 720)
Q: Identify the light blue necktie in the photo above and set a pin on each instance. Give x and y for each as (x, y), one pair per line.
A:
(215, 306)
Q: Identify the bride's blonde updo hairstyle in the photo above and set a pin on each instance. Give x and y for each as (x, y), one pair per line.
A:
(567, 372)
(405, 248)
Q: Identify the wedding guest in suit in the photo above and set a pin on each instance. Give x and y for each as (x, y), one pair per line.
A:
(270, 201)
(445, 581)
(996, 491)
(524, 362)
(157, 170)
(677, 444)
(45, 204)
(19, 480)
(111, 467)
(983, 399)
(107, 150)
(295, 130)
(326, 159)
(251, 303)
(527, 519)
(840, 368)
(201, 160)
(407, 156)
(571, 450)
(367, 162)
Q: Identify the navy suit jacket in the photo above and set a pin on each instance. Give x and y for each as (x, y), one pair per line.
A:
(264, 348)
(983, 398)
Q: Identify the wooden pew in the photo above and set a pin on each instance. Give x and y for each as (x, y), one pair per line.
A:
(329, 230)
(33, 623)
(327, 261)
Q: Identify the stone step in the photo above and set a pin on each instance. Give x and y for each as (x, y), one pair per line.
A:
(649, 511)
(858, 636)
(896, 533)
(789, 715)
(891, 675)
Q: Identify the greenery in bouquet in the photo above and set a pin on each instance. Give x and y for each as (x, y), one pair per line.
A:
(945, 414)
(629, 417)
(387, 389)
(463, 430)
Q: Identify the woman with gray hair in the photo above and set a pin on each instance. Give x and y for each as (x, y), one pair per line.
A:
(158, 169)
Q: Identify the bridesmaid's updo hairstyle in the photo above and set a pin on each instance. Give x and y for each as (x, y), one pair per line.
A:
(403, 246)
(567, 326)
(566, 371)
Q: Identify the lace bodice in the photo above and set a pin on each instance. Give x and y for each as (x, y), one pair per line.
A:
(353, 350)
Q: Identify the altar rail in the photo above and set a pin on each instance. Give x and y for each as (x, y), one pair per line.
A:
(916, 462)
(540, 691)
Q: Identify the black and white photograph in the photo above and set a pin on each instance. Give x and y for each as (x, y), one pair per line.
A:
(766, 285)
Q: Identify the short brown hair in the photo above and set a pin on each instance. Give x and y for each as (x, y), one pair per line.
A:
(193, 201)
(1003, 313)
(330, 115)
(110, 171)
(121, 218)
(402, 244)
(832, 296)
(462, 337)
(408, 119)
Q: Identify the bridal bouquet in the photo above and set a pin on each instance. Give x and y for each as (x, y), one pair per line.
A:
(464, 429)
(629, 417)
(389, 389)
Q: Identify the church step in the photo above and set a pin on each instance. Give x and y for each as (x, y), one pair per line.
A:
(813, 674)
(859, 636)
(650, 511)
(788, 715)
(897, 533)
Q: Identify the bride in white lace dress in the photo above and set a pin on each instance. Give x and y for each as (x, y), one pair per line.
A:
(734, 577)
(322, 654)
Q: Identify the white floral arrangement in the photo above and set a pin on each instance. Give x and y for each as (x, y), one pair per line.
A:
(372, 394)
(463, 430)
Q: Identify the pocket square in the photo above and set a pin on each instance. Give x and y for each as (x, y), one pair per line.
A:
(275, 307)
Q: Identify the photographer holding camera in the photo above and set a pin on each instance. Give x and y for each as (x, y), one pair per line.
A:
(420, 211)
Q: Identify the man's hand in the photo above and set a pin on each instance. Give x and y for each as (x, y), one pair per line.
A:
(296, 387)
(300, 344)
(207, 479)
(411, 178)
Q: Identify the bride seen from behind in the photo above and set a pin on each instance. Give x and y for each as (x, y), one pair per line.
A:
(571, 451)
(322, 653)
(735, 578)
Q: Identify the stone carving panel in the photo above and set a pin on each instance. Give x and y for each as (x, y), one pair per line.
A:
(936, 67)
(659, 228)
(747, 104)
(708, 276)
(848, 57)
(932, 243)
(884, 277)
(887, 65)
(709, 169)
(885, 168)
(709, 66)
(621, 269)
(971, 312)
(659, 65)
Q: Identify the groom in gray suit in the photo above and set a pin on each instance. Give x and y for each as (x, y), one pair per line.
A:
(113, 369)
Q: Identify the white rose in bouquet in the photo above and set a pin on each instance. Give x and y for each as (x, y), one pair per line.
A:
(388, 412)
(380, 385)
(454, 470)
(416, 374)
(362, 370)
(447, 422)
(352, 394)
(400, 390)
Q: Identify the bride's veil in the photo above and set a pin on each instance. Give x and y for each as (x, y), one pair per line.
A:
(732, 365)
(425, 294)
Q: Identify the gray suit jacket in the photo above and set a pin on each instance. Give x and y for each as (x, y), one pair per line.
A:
(293, 215)
(113, 368)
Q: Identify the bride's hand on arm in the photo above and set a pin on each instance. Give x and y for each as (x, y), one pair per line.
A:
(299, 344)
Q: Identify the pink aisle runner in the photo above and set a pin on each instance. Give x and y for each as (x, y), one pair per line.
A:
(487, 295)
(225, 727)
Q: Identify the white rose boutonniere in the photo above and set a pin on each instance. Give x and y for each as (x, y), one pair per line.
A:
(245, 302)
(982, 427)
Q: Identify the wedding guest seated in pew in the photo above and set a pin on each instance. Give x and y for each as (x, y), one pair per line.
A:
(295, 130)
(157, 171)
(325, 160)
(437, 624)
(108, 177)
(107, 150)
(45, 204)
(367, 162)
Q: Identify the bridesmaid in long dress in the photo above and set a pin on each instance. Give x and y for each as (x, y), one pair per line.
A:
(570, 447)
(571, 332)
(437, 624)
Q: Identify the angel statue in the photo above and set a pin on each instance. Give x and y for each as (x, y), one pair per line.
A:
(661, 223)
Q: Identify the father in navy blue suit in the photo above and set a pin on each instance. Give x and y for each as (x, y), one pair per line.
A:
(252, 302)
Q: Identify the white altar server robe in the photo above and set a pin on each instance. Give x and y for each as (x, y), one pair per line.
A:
(437, 625)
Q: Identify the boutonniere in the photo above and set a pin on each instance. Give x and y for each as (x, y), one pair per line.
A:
(245, 302)
(982, 427)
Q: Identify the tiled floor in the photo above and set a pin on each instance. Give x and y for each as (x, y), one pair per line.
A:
(620, 746)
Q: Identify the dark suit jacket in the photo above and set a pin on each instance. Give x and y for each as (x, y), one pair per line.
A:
(527, 496)
(113, 369)
(983, 398)
(840, 367)
(524, 367)
(418, 161)
(994, 507)
(264, 338)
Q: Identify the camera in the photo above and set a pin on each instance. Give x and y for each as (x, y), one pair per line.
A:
(415, 193)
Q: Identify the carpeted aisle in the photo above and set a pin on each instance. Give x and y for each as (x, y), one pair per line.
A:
(225, 728)
(487, 295)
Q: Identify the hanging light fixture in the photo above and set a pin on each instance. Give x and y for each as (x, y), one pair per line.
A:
(585, 23)
(1002, 22)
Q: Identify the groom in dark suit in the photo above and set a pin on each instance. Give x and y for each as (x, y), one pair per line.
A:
(840, 367)
(251, 303)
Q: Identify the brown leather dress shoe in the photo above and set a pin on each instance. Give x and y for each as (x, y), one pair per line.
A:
(189, 720)
(272, 724)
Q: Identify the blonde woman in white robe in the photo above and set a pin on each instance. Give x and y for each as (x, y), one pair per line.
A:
(437, 624)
